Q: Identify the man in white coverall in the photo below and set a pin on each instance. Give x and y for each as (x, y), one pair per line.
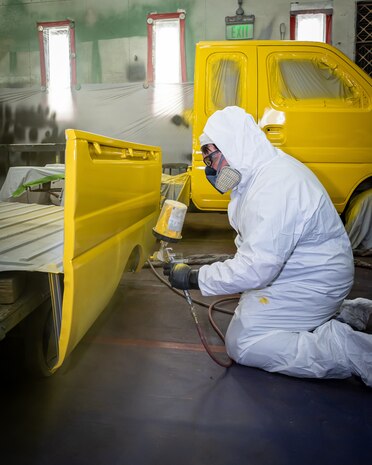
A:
(293, 265)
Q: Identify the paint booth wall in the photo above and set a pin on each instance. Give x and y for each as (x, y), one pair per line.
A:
(111, 46)
(111, 35)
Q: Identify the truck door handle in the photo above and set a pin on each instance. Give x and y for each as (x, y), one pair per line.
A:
(275, 133)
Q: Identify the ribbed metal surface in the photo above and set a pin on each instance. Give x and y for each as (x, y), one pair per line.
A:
(31, 237)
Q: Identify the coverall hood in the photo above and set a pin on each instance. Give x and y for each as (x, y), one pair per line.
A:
(241, 141)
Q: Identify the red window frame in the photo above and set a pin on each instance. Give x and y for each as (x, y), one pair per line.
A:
(328, 13)
(150, 22)
(40, 28)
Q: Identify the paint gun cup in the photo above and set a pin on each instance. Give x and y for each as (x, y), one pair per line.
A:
(168, 229)
(170, 222)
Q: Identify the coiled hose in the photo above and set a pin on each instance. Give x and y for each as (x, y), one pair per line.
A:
(212, 307)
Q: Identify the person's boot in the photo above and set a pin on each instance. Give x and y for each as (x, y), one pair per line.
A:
(355, 313)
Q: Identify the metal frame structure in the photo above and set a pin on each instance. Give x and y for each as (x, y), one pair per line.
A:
(363, 36)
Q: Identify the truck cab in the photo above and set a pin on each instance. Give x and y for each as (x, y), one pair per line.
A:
(309, 99)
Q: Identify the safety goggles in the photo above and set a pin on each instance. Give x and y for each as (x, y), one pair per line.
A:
(208, 159)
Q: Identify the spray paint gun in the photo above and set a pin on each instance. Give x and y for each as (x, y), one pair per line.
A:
(168, 229)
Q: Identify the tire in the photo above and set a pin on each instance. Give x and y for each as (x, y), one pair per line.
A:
(40, 348)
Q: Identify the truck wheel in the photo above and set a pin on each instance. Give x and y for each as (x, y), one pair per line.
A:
(40, 349)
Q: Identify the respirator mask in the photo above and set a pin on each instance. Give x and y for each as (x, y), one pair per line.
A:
(222, 179)
(225, 180)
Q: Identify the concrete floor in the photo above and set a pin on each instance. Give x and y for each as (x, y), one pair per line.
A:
(139, 390)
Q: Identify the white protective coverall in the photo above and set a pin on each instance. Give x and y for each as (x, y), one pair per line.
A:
(293, 266)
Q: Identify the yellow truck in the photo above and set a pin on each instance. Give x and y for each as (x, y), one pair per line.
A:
(309, 99)
(59, 266)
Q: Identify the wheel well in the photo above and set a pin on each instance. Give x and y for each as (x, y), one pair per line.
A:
(363, 186)
(134, 259)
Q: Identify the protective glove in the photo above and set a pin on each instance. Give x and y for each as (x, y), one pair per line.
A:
(181, 276)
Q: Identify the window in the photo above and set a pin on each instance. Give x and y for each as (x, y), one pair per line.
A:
(303, 79)
(310, 27)
(223, 80)
(311, 22)
(166, 47)
(57, 54)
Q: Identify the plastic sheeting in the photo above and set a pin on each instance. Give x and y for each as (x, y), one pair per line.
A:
(226, 80)
(176, 187)
(358, 223)
(19, 178)
(311, 79)
(123, 111)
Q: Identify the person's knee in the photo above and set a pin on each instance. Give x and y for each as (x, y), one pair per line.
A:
(234, 338)
(256, 350)
(244, 352)
(237, 344)
(232, 348)
(242, 343)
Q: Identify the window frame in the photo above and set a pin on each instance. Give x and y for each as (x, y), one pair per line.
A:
(50, 24)
(151, 18)
(328, 22)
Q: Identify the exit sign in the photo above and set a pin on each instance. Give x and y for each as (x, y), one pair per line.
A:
(239, 31)
(239, 27)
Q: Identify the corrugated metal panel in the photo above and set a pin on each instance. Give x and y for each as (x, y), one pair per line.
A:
(31, 237)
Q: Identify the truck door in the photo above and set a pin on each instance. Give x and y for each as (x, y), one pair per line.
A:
(315, 104)
(225, 74)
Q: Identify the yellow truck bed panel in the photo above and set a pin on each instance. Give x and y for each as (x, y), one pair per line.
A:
(111, 204)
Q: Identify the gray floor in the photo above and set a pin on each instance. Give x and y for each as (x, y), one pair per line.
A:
(139, 389)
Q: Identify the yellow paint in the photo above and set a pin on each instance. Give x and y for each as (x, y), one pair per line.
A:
(356, 206)
(111, 204)
(170, 221)
(264, 300)
(332, 136)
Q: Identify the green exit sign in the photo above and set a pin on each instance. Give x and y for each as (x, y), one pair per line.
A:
(239, 31)
(239, 27)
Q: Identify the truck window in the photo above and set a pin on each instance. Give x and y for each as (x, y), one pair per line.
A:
(313, 81)
(223, 80)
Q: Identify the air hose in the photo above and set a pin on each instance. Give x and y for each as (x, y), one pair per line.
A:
(212, 307)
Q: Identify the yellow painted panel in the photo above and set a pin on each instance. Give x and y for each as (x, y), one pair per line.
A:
(112, 202)
(310, 100)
